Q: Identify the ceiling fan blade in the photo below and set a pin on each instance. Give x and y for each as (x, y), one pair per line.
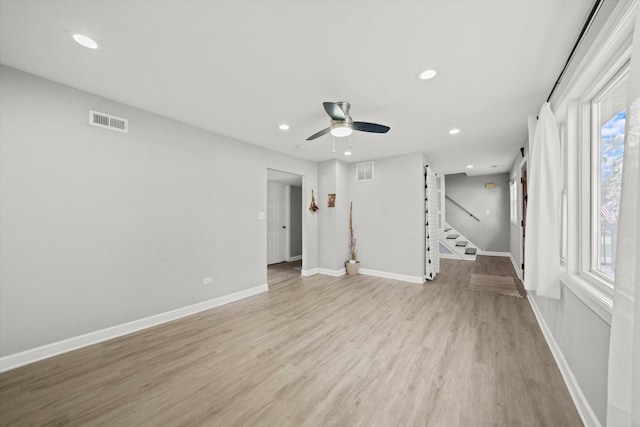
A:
(319, 134)
(370, 127)
(334, 111)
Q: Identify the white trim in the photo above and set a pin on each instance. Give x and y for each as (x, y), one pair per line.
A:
(287, 221)
(580, 401)
(307, 273)
(39, 353)
(294, 258)
(492, 253)
(366, 272)
(592, 296)
(516, 267)
(452, 256)
(395, 276)
(334, 273)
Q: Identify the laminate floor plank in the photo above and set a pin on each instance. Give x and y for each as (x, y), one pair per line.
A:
(314, 351)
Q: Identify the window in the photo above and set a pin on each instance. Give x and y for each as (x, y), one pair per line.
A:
(590, 112)
(608, 111)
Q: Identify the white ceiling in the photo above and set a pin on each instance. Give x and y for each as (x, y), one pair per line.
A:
(240, 68)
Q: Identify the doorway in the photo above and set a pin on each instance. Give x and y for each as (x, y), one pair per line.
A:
(284, 223)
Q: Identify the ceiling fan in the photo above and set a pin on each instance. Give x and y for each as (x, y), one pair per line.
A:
(342, 124)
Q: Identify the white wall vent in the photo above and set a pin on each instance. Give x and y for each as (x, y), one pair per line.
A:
(364, 172)
(108, 121)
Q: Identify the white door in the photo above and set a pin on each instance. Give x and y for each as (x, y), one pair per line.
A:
(276, 227)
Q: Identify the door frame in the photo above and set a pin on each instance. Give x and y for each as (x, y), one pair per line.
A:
(287, 214)
(524, 166)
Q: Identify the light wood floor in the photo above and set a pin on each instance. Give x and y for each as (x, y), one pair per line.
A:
(345, 351)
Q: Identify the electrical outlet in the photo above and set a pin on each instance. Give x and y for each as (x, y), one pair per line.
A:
(207, 281)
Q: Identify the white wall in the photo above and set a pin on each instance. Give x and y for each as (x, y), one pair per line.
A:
(389, 215)
(583, 339)
(334, 222)
(100, 228)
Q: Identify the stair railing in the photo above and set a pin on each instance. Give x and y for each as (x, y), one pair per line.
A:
(462, 207)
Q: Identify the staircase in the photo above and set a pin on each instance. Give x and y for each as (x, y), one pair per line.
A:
(454, 245)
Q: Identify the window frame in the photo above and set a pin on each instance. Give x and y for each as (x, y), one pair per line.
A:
(593, 287)
(595, 144)
(595, 66)
(564, 206)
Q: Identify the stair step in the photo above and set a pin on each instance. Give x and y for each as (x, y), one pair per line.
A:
(453, 236)
(462, 243)
(447, 229)
(470, 251)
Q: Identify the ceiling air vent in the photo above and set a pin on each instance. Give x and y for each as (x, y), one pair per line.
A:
(108, 121)
(364, 172)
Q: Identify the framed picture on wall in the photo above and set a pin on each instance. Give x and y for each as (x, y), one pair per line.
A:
(331, 200)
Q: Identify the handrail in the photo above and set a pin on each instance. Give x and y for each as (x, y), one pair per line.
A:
(462, 207)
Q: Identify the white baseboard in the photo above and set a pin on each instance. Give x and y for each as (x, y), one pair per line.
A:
(307, 273)
(294, 258)
(589, 418)
(516, 267)
(334, 273)
(365, 271)
(395, 276)
(493, 253)
(39, 353)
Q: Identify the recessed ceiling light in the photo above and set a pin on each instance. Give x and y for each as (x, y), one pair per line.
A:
(283, 126)
(85, 41)
(347, 153)
(469, 166)
(427, 74)
(454, 131)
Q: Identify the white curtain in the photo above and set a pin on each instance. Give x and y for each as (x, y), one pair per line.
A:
(542, 240)
(623, 409)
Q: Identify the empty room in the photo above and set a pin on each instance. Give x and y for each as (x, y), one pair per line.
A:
(318, 212)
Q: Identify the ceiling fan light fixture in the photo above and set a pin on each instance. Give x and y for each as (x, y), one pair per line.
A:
(341, 129)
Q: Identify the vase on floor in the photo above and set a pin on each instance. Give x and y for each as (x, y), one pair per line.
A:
(352, 267)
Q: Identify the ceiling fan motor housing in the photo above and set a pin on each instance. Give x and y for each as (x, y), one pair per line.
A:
(344, 106)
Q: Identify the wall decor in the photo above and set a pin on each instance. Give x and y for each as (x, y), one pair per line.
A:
(314, 206)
